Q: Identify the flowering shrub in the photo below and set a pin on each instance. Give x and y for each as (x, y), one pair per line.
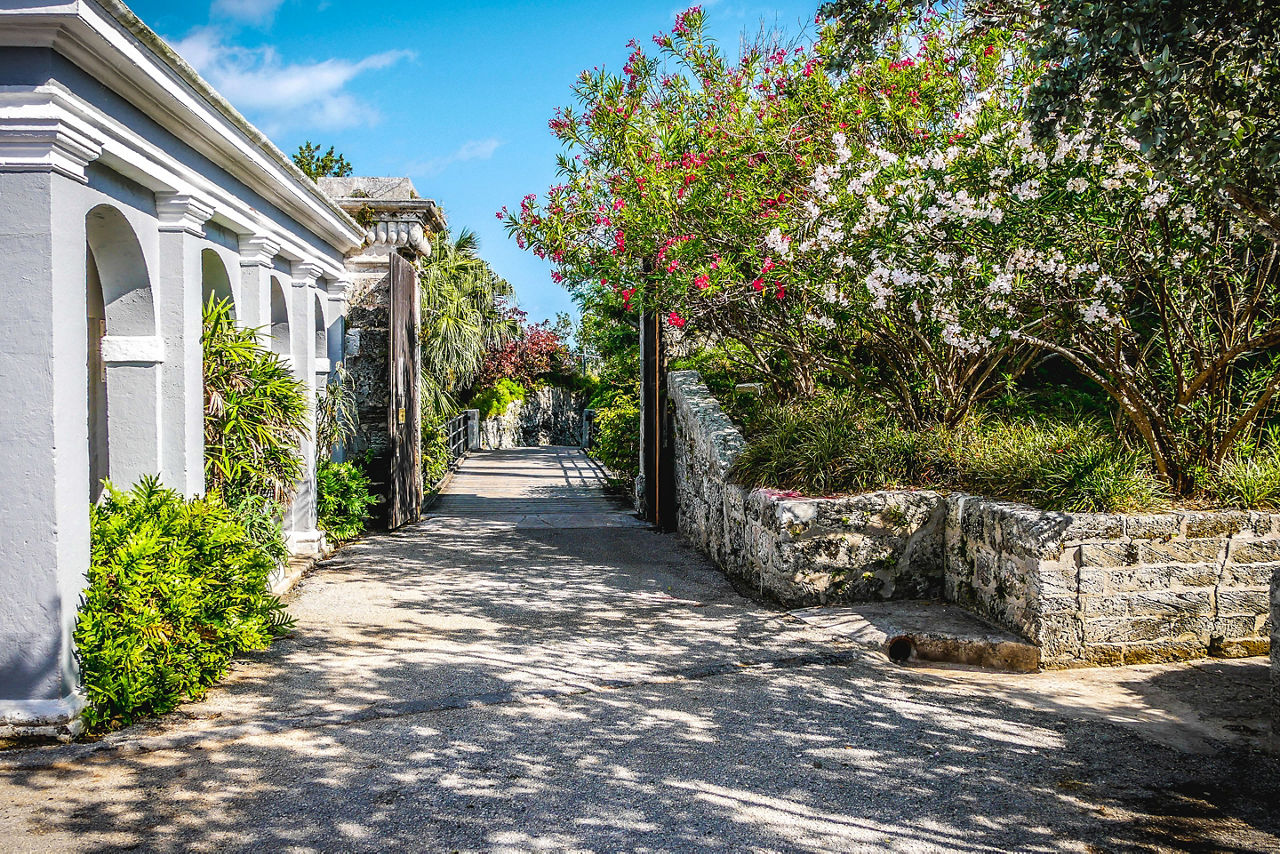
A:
(531, 354)
(898, 225)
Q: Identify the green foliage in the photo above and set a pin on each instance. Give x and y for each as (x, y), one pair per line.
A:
(835, 445)
(617, 441)
(176, 588)
(494, 401)
(336, 415)
(343, 499)
(316, 165)
(255, 413)
(464, 317)
(1249, 477)
(436, 457)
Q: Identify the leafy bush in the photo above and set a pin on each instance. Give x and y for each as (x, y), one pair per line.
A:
(836, 446)
(255, 412)
(494, 401)
(176, 588)
(436, 456)
(617, 442)
(336, 415)
(343, 499)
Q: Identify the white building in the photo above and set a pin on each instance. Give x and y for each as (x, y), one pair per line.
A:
(129, 192)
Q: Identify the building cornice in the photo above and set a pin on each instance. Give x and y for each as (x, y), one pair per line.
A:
(109, 42)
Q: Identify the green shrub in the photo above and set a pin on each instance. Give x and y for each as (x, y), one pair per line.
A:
(336, 414)
(255, 412)
(835, 445)
(342, 499)
(176, 588)
(436, 456)
(1249, 477)
(617, 441)
(494, 401)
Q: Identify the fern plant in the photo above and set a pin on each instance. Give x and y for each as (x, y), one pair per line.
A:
(176, 588)
(255, 412)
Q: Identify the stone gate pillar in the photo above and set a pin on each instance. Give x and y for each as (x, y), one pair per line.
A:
(397, 221)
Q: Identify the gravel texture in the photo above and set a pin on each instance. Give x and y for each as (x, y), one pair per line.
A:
(504, 683)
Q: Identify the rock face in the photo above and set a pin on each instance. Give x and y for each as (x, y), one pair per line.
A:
(1087, 589)
(547, 416)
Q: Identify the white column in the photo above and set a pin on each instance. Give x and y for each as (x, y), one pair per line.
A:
(257, 256)
(44, 472)
(300, 527)
(179, 301)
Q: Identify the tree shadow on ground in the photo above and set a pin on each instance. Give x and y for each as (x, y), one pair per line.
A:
(513, 690)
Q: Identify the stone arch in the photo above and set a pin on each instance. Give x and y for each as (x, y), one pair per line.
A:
(279, 319)
(214, 279)
(125, 354)
(322, 341)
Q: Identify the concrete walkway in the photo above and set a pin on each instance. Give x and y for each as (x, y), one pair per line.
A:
(531, 669)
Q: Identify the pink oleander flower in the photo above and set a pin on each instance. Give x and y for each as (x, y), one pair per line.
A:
(675, 320)
(703, 282)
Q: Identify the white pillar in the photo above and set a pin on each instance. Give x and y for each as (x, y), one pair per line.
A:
(44, 471)
(179, 301)
(300, 522)
(257, 257)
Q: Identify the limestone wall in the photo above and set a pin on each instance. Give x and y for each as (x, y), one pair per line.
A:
(547, 416)
(1087, 589)
(1275, 658)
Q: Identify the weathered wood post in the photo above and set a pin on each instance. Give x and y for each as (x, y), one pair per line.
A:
(656, 493)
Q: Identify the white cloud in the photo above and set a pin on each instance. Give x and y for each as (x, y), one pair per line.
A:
(283, 95)
(474, 149)
(250, 11)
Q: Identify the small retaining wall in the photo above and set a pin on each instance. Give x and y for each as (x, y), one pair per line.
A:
(1085, 588)
(1275, 659)
(547, 416)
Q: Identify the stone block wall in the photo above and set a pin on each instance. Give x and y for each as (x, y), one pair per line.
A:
(1099, 589)
(1275, 658)
(799, 551)
(1087, 589)
(547, 416)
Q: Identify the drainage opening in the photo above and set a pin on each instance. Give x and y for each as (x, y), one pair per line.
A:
(901, 650)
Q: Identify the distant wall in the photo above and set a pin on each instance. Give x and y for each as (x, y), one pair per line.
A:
(547, 416)
(1087, 589)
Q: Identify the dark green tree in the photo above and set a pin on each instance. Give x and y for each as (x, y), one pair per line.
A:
(315, 165)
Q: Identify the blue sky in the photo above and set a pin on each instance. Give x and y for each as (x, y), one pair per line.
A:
(455, 95)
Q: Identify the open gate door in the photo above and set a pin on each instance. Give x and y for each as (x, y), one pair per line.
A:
(404, 419)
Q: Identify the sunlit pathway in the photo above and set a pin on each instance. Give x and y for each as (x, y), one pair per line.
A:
(532, 669)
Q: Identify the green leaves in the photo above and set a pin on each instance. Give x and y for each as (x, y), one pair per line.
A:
(343, 499)
(176, 588)
(256, 412)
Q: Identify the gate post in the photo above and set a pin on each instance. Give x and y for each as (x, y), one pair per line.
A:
(657, 460)
(381, 335)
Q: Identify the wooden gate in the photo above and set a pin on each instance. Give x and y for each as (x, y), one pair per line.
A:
(404, 418)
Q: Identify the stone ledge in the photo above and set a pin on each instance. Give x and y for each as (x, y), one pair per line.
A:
(1085, 589)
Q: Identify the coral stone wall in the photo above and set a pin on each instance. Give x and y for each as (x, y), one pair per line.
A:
(547, 416)
(1275, 658)
(1087, 589)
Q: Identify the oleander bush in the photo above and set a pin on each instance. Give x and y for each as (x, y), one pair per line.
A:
(343, 499)
(176, 588)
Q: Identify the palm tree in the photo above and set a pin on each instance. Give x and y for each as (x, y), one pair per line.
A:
(464, 315)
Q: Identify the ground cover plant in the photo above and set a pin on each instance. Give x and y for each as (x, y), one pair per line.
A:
(176, 589)
(837, 445)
